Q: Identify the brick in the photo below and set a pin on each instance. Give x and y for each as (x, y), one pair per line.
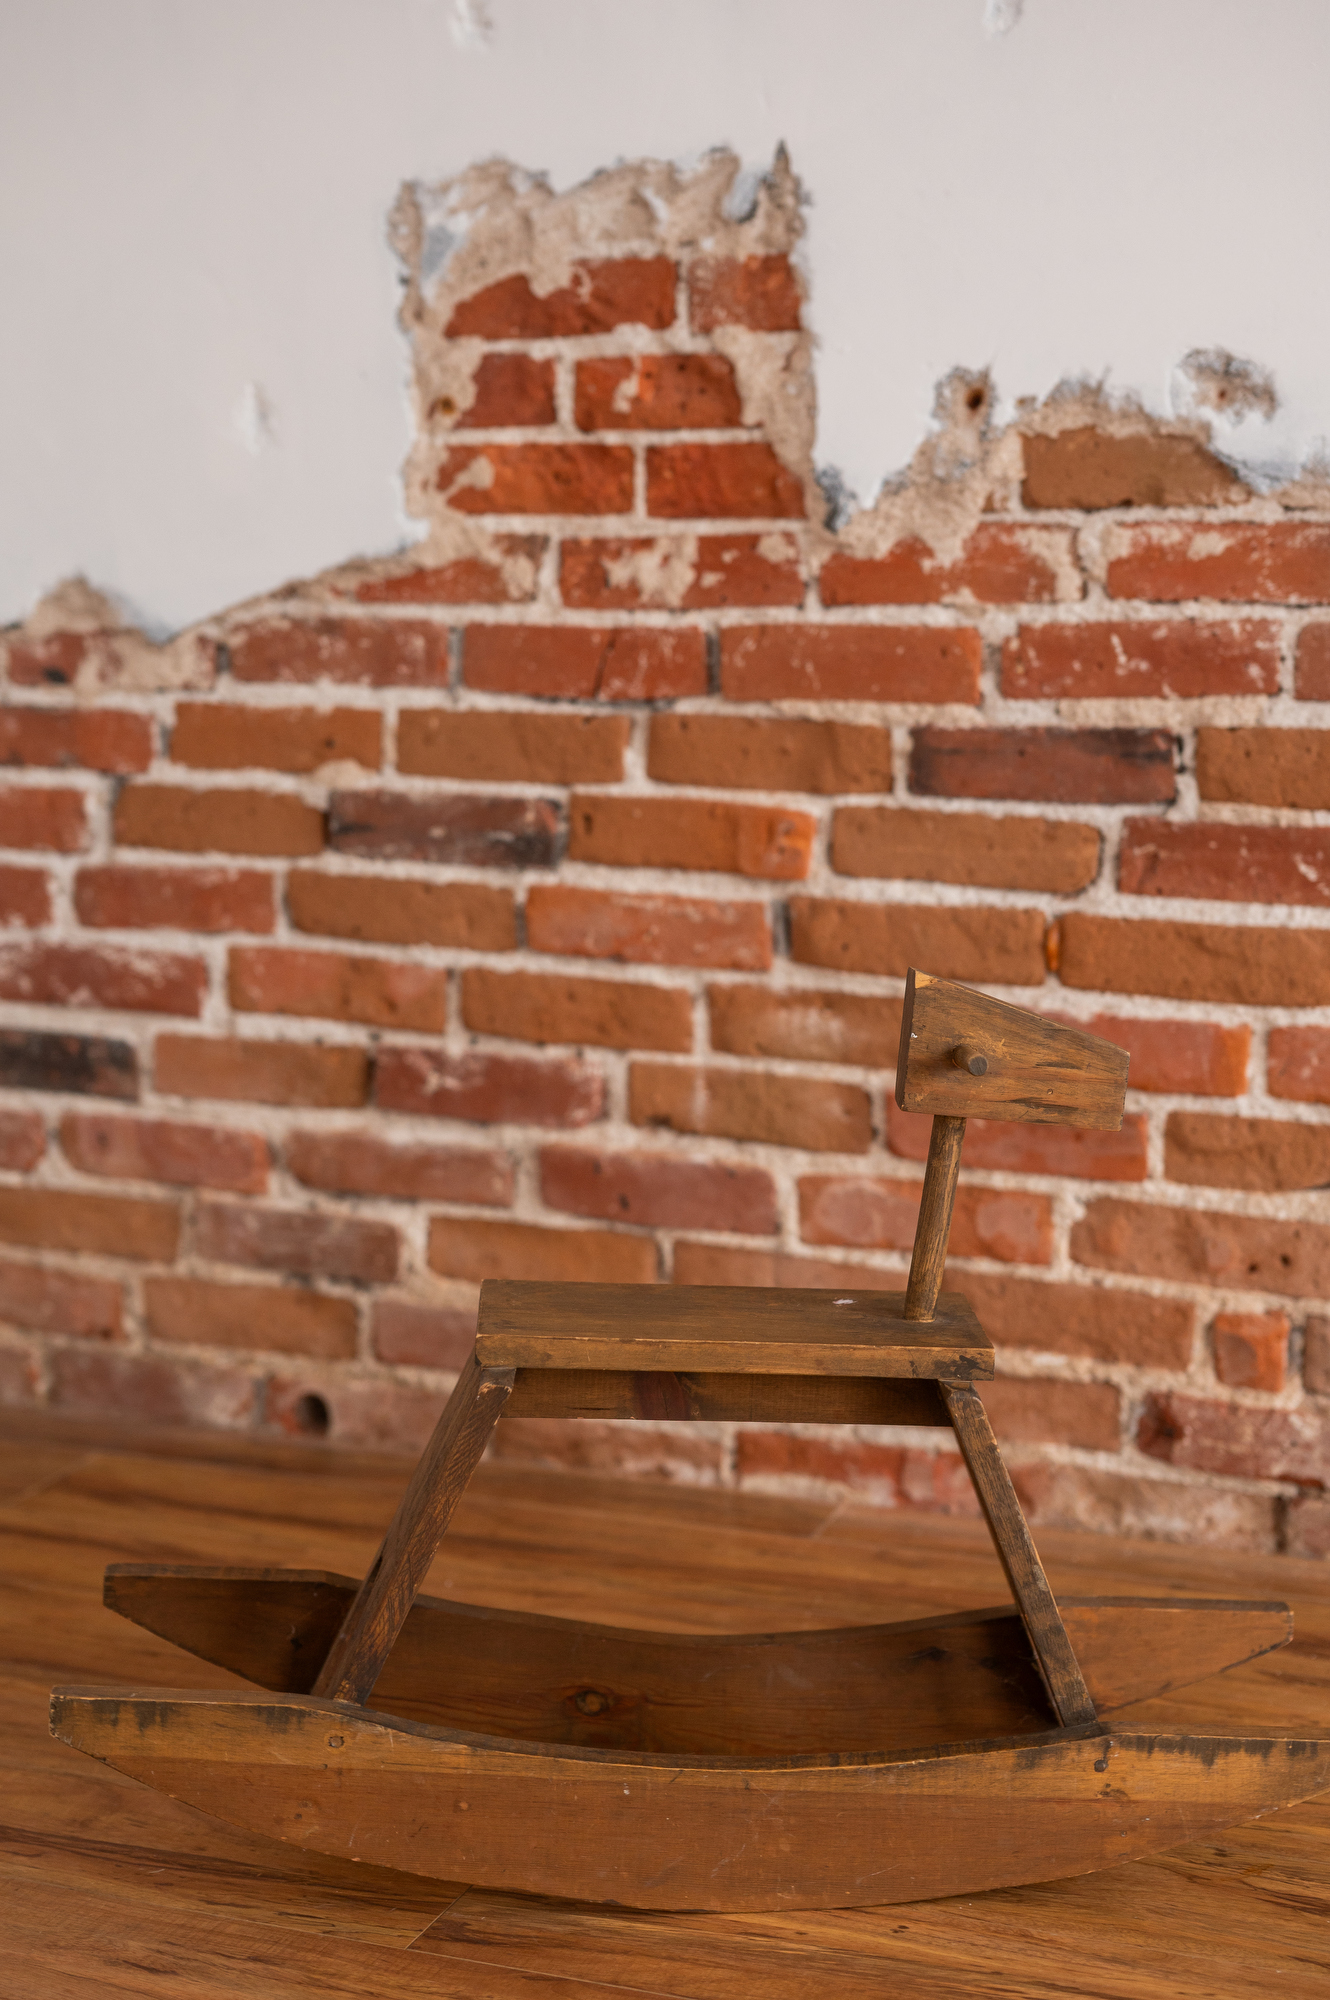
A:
(1182, 657)
(760, 292)
(229, 822)
(506, 389)
(1298, 1065)
(1093, 1499)
(25, 898)
(1237, 1441)
(50, 662)
(20, 1374)
(722, 1264)
(518, 746)
(487, 1089)
(551, 1007)
(685, 1452)
(1236, 864)
(1316, 1355)
(453, 828)
(1004, 1147)
(1244, 963)
(805, 1023)
(685, 573)
(635, 663)
(996, 947)
(223, 736)
(537, 478)
(1244, 1253)
(1082, 1320)
(507, 577)
(364, 652)
(153, 1388)
(92, 739)
(45, 1301)
(361, 1162)
(1089, 468)
(658, 392)
(1311, 668)
(768, 755)
(721, 482)
(658, 1191)
(869, 1212)
(288, 1319)
(1251, 1350)
(32, 1059)
(71, 975)
(352, 1411)
(1194, 1058)
(384, 992)
(604, 293)
(648, 930)
(1282, 562)
(1265, 767)
(1087, 1415)
(261, 1072)
(414, 1336)
(717, 835)
(187, 899)
(1264, 1154)
(297, 1241)
(929, 1482)
(998, 565)
(100, 1224)
(751, 1104)
(478, 1250)
(158, 1149)
(41, 816)
(999, 852)
(22, 1140)
(385, 909)
(850, 663)
(1306, 1526)
(1072, 766)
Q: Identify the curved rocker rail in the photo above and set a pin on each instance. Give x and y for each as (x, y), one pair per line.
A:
(671, 1833)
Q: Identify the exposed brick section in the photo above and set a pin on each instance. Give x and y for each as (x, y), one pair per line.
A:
(658, 1191)
(617, 1450)
(717, 1264)
(46, 1301)
(1032, 1149)
(1316, 1356)
(868, 1212)
(1205, 1247)
(298, 1241)
(1180, 657)
(755, 753)
(721, 482)
(91, 739)
(25, 897)
(604, 293)
(1081, 1320)
(153, 1388)
(479, 1250)
(998, 565)
(1298, 1064)
(657, 392)
(1075, 766)
(487, 1089)
(808, 1024)
(385, 909)
(452, 828)
(102, 1225)
(1089, 468)
(703, 834)
(186, 899)
(158, 1149)
(68, 975)
(648, 930)
(1251, 1350)
(850, 663)
(223, 736)
(523, 746)
(1264, 1154)
(383, 992)
(551, 1007)
(22, 1140)
(368, 652)
(641, 663)
(226, 822)
(1277, 562)
(360, 1162)
(50, 662)
(999, 947)
(1088, 1414)
(760, 292)
(261, 1072)
(538, 478)
(39, 816)
(693, 573)
(1243, 963)
(1196, 1058)
(1238, 1442)
(422, 1336)
(250, 1316)
(751, 1104)
(1236, 864)
(1264, 767)
(928, 1482)
(508, 389)
(509, 579)
(1311, 671)
(32, 1059)
(1001, 853)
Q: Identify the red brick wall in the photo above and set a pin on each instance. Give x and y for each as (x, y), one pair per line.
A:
(541, 905)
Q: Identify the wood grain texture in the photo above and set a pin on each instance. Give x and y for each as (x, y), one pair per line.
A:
(933, 1229)
(734, 1399)
(1038, 1071)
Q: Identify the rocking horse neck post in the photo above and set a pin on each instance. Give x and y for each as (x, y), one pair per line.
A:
(934, 1230)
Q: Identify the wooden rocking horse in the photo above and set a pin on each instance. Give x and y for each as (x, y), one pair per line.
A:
(877, 1764)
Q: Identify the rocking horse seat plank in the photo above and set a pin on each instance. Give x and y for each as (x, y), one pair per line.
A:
(732, 1399)
(726, 1329)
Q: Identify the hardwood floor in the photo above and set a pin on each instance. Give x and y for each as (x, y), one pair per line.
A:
(107, 1888)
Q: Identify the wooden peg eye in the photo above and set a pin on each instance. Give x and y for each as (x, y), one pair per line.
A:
(967, 1057)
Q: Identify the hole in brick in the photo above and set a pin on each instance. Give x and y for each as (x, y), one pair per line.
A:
(975, 400)
(312, 1416)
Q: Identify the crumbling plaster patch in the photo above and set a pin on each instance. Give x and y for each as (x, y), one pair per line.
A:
(112, 653)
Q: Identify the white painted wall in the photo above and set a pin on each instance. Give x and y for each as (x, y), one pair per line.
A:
(193, 196)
